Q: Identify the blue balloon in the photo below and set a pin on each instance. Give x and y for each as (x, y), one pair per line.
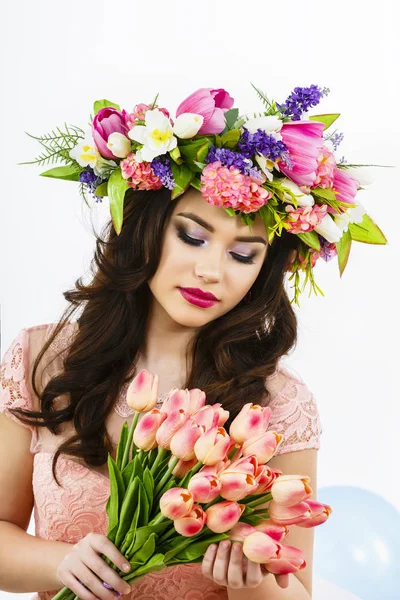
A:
(358, 547)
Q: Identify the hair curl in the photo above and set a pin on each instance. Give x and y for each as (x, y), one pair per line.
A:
(231, 356)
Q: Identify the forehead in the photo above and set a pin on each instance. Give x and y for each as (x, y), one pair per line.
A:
(193, 201)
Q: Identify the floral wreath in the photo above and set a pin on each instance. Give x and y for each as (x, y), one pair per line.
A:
(277, 163)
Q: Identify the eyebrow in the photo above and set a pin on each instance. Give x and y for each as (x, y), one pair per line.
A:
(200, 221)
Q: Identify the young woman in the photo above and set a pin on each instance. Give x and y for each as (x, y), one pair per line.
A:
(135, 314)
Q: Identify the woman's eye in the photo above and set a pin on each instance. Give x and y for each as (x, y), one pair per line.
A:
(193, 242)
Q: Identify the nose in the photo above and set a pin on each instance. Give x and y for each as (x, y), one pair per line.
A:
(208, 269)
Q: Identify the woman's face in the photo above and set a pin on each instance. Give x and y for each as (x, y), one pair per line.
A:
(214, 264)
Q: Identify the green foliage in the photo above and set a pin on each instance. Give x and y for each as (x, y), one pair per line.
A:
(99, 104)
(367, 232)
(57, 146)
(343, 250)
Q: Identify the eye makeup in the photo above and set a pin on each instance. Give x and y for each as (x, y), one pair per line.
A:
(187, 239)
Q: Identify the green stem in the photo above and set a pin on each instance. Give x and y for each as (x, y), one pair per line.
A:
(166, 476)
(160, 456)
(259, 501)
(129, 440)
(217, 499)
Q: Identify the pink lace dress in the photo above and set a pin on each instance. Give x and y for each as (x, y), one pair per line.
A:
(70, 512)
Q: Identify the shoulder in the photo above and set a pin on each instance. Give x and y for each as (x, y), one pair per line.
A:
(294, 411)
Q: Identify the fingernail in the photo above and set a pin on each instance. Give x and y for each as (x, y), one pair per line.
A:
(126, 567)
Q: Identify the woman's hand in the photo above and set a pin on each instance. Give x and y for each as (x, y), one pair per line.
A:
(83, 570)
(226, 564)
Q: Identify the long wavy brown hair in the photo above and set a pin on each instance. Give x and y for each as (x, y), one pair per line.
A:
(231, 356)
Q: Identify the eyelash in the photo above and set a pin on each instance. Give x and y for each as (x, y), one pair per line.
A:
(193, 242)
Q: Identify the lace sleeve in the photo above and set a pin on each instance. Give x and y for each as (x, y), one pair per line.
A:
(14, 387)
(294, 414)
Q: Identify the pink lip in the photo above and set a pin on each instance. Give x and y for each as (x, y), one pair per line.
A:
(200, 294)
(196, 300)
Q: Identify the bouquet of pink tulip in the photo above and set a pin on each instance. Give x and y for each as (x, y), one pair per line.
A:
(180, 482)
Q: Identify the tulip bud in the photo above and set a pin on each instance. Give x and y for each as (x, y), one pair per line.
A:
(204, 487)
(263, 446)
(144, 436)
(192, 523)
(119, 144)
(197, 400)
(222, 516)
(238, 479)
(252, 420)
(183, 441)
(289, 515)
(142, 393)
(176, 400)
(187, 125)
(240, 531)
(207, 417)
(176, 503)
(319, 514)
(259, 547)
(182, 467)
(288, 560)
(169, 427)
(288, 490)
(276, 532)
(211, 447)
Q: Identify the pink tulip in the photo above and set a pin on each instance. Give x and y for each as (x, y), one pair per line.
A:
(238, 479)
(259, 547)
(193, 523)
(303, 140)
(276, 532)
(216, 468)
(177, 399)
(262, 446)
(289, 515)
(222, 516)
(182, 466)
(266, 479)
(288, 560)
(211, 104)
(176, 503)
(222, 414)
(212, 446)
(183, 441)
(142, 393)
(252, 420)
(204, 487)
(241, 531)
(196, 401)
(144, 436)
(169, 427)
(288, 490)
(108, 120)
(319, 514)
(345, 187)
(207, 417)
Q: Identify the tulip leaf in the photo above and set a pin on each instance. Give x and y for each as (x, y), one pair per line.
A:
(117, 187)
(148, 484)
(127, 473)
(147, 550)
(182, 177)
(122, 443)
(311, 239)
(155, 563)
(198, 548)
(114, 503)
(144, 505)
(101, 189)
(326, 119)
(127, 510)
(99, 104)
(343, 250)
(68, 172)
(367, 232)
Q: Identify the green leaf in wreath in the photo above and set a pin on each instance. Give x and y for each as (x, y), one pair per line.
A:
(117, 492)
(231, 117)
(101, 189)
(182, 177)
(195, 152)
(175, 154)
(343, 250)
(367, 232)
(196, 183)
(326, 193)
(99, 104)
(230, 138)
(326, 119)
(311, 239)
(117, 187)
(68, 173)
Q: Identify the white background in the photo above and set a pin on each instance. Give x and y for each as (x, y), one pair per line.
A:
(57, 59)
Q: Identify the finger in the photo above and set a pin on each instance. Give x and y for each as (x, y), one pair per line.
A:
(105, 546)
(254, 575)
(88, 579)
(76, 586)
(106, 573)
(220, 571)
(282, 580)
(207, 564)
(235, 567)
